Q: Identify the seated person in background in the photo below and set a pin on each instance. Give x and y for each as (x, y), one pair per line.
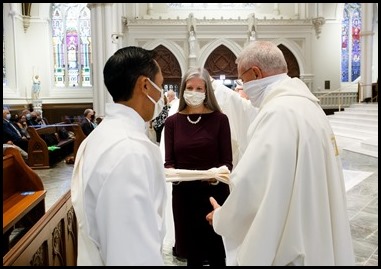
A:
(24, 154)
(14, 118)
(40, 119)
(26, 113)
(86, 123)
(92, 119)
(23, 126)
(33, 119)
(98, 120)
(12, 134)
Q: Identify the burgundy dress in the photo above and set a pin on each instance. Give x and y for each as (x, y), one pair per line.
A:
(200, 146)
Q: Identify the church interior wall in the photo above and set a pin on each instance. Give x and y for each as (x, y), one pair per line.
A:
(318, 55)
(328, 58)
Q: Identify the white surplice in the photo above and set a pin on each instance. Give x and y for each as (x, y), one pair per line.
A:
(287, 204)
(119, 193)
(240, 113)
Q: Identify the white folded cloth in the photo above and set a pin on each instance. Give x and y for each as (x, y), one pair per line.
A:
(220, 173)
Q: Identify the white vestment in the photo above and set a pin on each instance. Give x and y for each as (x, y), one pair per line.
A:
(119, 194)
(240, 113)
(169, 239)
(173, 107)
(287, 204)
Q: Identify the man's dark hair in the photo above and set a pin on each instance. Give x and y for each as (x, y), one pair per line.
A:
(122, 70)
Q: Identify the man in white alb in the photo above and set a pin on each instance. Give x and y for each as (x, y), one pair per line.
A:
(118, 185)
(287, 204)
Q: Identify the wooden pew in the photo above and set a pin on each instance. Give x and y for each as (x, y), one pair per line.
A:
(23, 198)
(52, 241)
(39, 155)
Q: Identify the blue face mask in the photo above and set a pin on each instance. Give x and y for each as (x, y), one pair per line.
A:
(27, 116)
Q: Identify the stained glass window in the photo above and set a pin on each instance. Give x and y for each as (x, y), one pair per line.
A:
(350, 42)
(71, 44)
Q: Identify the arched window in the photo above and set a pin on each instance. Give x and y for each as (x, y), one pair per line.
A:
(71, 45)
(350, 42)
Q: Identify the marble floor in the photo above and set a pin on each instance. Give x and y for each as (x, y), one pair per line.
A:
(361, 180)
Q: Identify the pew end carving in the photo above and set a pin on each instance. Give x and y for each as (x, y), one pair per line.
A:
(23, 198)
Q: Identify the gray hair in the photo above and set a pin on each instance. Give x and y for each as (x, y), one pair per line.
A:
(171, 93)
(87, 111)
(264, 54)
(210, 99)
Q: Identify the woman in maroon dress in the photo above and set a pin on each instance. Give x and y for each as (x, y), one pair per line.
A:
(197, 137)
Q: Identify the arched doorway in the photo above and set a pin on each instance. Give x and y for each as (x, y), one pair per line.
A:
(292, 63)
(170, 68)
(222, 62)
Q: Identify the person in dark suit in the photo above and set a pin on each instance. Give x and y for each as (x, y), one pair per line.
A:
(40, 119)
(86, 123)
(32, 121)
(12, 134)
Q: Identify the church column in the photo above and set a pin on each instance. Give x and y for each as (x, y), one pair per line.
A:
(149, 8)
(104, 30)
(296, 11)
(303, 10)
(276, 10)
(319, 10)
(366, 49)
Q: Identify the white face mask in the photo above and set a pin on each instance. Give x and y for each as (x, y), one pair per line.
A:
(256, 89)
(193, 98)
(8, 117)
(160, 103)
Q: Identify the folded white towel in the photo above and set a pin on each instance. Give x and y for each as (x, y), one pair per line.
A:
(220, 173)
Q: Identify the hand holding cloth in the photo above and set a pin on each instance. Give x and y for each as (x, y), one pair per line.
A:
(221, 173)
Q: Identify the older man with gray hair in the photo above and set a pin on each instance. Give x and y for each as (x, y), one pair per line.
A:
(287, 204)
(87, 124)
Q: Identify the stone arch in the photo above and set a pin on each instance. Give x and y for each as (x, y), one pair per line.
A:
(209, 48)
(296, 52)
(170, 68)
(174, 48)
(222, 61)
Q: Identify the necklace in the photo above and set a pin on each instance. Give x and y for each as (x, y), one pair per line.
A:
(196, 121)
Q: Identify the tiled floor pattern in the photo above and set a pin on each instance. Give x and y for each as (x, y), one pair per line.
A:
(361, 173)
